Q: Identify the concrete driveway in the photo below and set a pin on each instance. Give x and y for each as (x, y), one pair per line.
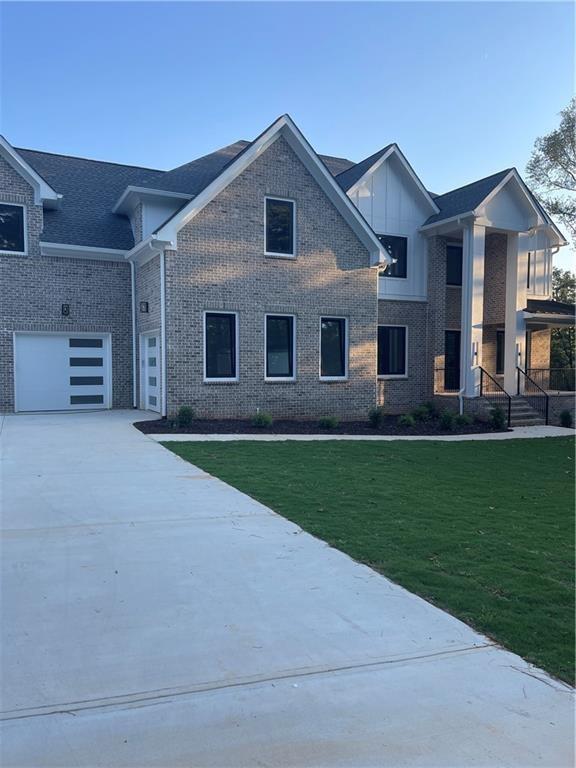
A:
(154, 616)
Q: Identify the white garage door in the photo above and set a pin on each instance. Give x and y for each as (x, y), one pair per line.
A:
(61, 372)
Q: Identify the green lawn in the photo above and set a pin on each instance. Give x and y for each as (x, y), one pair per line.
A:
(482, 529)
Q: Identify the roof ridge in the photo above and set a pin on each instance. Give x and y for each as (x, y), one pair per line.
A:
(89, 159)
(477, 181)
(380, 152)
(208, 154)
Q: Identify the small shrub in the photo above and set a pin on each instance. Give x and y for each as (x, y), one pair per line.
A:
(566, 419)
(421, 413)
(432, 409)
(376, 417)
(447, 421)
(185, 417)
(407, 420)
(262, 420)
(498, 417)
(462, 420)
(328, 422)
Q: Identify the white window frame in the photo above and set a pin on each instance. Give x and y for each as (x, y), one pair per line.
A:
(392, 376)
(408, 239)
(279, 379)
(273, 253)
(229, 379)
(346, 348)
(25, 223)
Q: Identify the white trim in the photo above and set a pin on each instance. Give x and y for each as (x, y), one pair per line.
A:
(409, 245)
(395, 376)
(143, 348)
(286, 128)
(395, 150)
(346, 348)
(146, 249)
(43, 192)
(24, 227)
(133, 313)
(273, 253)
(279, 379)
(95, 253)
(441, 222)
(163, 393)
(229, 379)
(131, 196)
(71, 334)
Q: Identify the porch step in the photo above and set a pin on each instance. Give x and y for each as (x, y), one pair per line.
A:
(523, 415)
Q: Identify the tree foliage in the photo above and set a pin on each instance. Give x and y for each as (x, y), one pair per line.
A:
(562, 353)
(552, 169)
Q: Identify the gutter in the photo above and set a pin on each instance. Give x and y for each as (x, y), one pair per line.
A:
(133, 288)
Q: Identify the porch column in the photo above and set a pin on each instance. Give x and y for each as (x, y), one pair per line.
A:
(515, 325)
(474, 238)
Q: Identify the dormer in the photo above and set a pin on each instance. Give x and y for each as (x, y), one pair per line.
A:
(148, 209)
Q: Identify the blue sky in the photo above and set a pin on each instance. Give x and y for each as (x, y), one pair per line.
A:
(463, 88)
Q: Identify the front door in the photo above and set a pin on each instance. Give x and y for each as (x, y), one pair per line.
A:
(452, 361)
(150, 372)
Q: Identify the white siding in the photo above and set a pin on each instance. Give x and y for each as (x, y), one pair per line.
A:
(540, 265)
(154, 214)
(392, 205)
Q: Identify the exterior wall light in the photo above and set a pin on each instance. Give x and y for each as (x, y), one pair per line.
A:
(143, 306)
(65, 310)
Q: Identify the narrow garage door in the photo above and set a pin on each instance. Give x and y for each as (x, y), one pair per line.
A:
(61, 372)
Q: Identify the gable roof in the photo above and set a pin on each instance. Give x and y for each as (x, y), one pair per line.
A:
(43, 192)
(89, 188)
(285, 127)
(349, 177)
(550, 307)
(465, 199)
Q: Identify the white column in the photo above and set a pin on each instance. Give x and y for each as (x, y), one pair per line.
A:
(515, 325)
(474, 238)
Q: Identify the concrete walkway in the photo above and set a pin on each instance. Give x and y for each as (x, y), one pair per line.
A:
(518, 432)
(154, 616)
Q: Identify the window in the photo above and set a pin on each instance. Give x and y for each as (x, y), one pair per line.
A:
(280, 348)
(392, 350)
(528, 270)
(85, 343)
(397, 247)
(453, 265)
(499, 351)
(333, 348)
(12, 238)
(220, 340)
(279, 227)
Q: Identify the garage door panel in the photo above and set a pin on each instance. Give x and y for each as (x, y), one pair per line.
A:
(56, 372)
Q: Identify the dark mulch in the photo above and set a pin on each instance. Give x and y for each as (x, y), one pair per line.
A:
(285, 427)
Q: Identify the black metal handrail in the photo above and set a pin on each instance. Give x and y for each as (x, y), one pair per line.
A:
(492, 391)
(532, 392)
(554, 379)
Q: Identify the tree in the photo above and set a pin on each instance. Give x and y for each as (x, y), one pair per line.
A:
(562, 352)
(552, 170)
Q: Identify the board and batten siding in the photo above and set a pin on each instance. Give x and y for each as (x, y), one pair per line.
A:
(389, 201)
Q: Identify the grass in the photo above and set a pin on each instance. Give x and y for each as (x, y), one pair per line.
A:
(483, 529)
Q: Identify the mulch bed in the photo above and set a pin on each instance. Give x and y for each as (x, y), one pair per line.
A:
(280, 427)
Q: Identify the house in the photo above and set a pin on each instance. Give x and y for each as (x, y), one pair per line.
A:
(264, 276)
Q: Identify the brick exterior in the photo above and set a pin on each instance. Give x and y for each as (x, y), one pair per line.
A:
(33, 288)
(147, 282)
(495, 279)
(400, 395)
(220, 265)
(437, 301)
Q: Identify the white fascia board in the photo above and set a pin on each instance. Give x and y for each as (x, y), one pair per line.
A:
(43, 192)
(554, 319)
(65, 251)
(285, 127)
(458, 219)
(148, 248)
(133, 195)
(395, 150)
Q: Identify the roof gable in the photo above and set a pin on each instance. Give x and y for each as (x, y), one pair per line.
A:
(43, 192)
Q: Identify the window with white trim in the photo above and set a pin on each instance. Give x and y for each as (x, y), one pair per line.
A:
(333, 348)
(12, 232)
(392, 351)
(396, 246)
(220, 346)
(280, 347)
(279, 227)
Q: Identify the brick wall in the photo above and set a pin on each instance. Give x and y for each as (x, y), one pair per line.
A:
(401, 395)
(437, 300)
(220, 265)
(33, 288)
(147, 284)
(495, 279)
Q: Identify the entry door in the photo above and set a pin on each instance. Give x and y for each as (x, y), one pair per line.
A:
(452, 361)
(150, 368)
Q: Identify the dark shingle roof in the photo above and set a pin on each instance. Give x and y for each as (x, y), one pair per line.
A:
(467, 198)
(90, 189)
(549, 307)
(351, 175)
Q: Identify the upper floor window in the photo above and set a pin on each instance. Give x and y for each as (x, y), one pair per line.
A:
(397, 247)
(280, 347)
(280, 227)
(12, 237)
(220, 346)
(453, 265)
(333, 348)
(392, 351)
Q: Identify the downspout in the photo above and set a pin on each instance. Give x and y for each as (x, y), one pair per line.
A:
(163, 330)
(133, 287)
